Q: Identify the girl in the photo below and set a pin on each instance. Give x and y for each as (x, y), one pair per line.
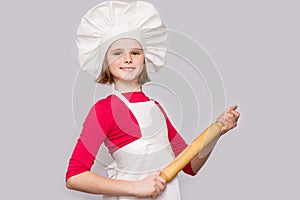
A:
(134, 128)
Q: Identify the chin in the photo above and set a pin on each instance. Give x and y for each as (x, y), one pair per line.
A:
(128, 80)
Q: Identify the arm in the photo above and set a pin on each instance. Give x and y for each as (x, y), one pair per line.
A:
(229, 119)
(92, 183)
(89, 182)
(79, 177)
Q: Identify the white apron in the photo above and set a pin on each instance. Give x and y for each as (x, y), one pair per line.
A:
(147, 155)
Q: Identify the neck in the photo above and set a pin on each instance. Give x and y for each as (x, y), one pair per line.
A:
(124, 86)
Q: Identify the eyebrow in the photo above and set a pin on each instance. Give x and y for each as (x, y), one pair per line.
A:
(120, 49)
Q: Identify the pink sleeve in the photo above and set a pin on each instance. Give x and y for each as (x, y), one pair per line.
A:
(177, 142)
(93, 134)
(81, 160)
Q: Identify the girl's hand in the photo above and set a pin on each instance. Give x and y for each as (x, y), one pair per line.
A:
(229, 119)
(150, 187)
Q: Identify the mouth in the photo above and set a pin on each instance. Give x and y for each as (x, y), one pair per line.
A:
(127, 68)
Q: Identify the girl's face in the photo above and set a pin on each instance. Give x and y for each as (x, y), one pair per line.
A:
(125, 58)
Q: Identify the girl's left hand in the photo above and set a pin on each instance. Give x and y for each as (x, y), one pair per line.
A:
(229, 119)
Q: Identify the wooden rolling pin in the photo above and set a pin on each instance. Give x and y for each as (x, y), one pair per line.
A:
(206, 137)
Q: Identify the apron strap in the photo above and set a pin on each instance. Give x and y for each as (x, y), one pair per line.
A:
(121, 97)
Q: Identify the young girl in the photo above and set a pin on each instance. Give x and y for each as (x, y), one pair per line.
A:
(134, 128)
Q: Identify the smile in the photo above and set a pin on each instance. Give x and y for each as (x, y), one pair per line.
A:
(127, 68)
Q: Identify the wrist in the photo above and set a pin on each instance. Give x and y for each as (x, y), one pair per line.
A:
(223, 131)
(132, 188)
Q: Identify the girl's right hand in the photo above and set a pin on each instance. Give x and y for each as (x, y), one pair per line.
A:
(150, 187)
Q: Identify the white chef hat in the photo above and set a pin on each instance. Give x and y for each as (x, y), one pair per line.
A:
(113, 20)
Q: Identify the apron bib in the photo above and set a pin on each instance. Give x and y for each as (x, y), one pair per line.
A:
(147, 155)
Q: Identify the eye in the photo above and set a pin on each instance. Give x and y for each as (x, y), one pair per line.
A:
(117, 53)
(135, 53)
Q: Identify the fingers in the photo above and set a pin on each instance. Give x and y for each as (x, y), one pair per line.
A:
(232, 113)
(231, 108)
(229, 118)
(229, 115)
(160, 178)
(159, 184)
(236, 114)
(150, 186)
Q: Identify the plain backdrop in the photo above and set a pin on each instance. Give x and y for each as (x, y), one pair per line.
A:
(255, 46)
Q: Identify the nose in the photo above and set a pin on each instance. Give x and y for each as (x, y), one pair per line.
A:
(127, 58)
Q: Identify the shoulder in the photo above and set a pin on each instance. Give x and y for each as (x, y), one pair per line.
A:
(103, 106)
(103, 102)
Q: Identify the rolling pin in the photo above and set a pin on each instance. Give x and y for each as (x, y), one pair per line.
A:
(205, 138)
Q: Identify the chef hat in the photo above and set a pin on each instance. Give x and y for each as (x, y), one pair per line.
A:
(113, 20)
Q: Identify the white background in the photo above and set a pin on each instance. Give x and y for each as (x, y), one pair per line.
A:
(255, 45)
